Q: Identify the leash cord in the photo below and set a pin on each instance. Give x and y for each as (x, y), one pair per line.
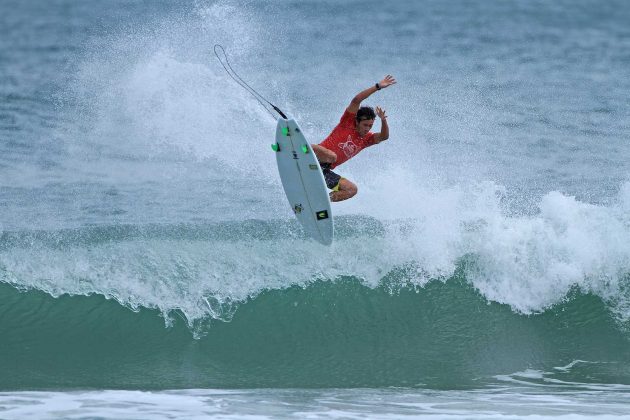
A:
(242, 83)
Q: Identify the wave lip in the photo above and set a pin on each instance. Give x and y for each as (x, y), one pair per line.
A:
(528, 262)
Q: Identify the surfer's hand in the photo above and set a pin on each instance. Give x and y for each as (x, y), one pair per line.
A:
(387, 81)
(381, 113)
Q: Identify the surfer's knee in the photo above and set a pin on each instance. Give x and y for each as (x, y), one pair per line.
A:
(329, 156)
(324, 155)
(349, 187)
(353, 190)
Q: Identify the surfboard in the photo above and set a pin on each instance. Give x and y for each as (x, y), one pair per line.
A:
(303, 181)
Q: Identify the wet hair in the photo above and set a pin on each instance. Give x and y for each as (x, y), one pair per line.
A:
(365, 113)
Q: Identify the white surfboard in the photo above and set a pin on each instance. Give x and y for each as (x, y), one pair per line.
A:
(303, 181)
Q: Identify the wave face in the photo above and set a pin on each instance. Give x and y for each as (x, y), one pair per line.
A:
(328, 334)
(227, 306)
(145, 241)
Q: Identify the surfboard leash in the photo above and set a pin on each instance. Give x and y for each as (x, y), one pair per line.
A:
(242, 83)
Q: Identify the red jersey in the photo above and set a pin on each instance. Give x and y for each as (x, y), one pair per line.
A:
(345, 141)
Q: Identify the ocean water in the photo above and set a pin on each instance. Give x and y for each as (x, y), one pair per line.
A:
(151, 268)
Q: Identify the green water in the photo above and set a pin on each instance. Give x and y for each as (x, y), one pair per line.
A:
(329, 334)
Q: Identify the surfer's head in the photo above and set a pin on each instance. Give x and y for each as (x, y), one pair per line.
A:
(365, 119)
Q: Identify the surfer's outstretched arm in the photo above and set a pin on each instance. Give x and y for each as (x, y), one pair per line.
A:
(363, 95)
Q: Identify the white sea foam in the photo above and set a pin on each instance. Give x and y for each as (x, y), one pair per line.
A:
(527, 262)
(499, 403)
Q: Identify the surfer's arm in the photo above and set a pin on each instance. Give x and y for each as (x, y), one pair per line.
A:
(363, 95)
(384, 134)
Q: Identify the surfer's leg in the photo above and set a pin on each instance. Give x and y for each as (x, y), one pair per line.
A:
(345, 189)
(342, 189)
(324, 155)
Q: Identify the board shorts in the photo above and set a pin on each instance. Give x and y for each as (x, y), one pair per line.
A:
(332, 179)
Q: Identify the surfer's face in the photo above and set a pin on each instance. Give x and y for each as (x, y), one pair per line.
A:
(364, 126)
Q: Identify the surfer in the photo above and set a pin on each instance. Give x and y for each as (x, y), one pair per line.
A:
(349, 137)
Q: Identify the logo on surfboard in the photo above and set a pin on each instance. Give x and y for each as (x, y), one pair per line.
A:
(321, 215)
